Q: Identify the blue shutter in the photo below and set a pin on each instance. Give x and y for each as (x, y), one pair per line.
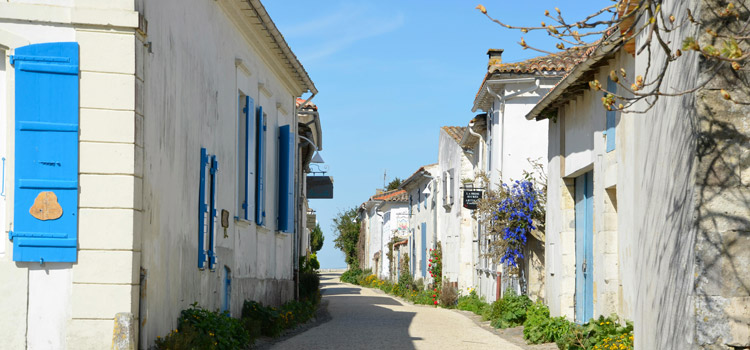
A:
(202, 211)
(286, 179)
(212, 218)
(611, 118)
(46, 146)
(249, 106)
(260, 169)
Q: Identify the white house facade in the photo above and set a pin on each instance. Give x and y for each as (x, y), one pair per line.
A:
(168, 171)
(421, 190)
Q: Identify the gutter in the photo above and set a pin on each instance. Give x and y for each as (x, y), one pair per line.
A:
(487, 83)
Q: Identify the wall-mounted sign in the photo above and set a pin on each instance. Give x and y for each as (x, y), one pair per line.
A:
(471, 199)
(319, 187)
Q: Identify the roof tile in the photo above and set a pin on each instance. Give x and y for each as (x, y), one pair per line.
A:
(456, 132)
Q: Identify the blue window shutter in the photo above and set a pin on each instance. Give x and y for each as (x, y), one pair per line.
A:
(611, 119)
(286, 179)
(260, 170)
(424, 249)
(212, 218)
(249, 106)
(202, 211)
(46, 144)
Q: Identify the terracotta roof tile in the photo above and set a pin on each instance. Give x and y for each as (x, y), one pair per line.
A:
(559, 62)
(308, 105)
(456, 132)
(392, 196)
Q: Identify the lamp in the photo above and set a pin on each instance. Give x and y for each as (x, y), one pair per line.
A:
(316, 158)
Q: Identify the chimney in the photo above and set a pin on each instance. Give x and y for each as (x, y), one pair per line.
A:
(495, 57)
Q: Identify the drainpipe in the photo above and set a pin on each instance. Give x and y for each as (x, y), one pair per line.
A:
(503, 99)
(475, 134)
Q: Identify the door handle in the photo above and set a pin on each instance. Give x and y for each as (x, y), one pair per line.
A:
(583, 267)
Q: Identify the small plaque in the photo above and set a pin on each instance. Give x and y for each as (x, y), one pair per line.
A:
(471, 199)
(46, 207)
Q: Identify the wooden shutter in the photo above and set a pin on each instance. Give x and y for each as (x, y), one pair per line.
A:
(202, 211)
(286, 179)
(45, 225)
(260, 170)
(249, 106)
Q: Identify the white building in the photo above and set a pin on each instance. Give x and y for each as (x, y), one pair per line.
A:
(648, 212)
(509, 91)
(383, 217)
(166, 169)
(422, 191)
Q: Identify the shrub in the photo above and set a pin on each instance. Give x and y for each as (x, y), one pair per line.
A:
(448, 295)
(540, 328)
(598, 334)
(351, 276)
(472, 303)
(271, 321)
(199, 328)
(309, 286)
(509, 311)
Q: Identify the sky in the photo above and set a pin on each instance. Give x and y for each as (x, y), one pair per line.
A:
(390, 73)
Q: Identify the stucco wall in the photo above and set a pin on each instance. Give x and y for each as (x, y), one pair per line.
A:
(187, 99)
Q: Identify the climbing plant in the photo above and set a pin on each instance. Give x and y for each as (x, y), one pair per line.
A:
(511, 211)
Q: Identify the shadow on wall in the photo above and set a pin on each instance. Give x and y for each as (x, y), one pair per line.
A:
(693, 243)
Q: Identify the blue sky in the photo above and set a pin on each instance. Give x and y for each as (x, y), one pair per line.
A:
(390, 74)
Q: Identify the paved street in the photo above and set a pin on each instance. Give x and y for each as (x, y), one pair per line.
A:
(363, 318)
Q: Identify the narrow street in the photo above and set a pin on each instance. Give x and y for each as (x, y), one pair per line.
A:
(363, 318)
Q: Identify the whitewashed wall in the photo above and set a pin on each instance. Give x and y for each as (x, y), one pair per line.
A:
(455, 224)
(423, 211)
(188, 100)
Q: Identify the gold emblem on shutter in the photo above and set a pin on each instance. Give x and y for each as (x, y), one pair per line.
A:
(46, 207)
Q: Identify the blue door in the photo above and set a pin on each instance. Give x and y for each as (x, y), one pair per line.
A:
(227, 302)
(584, 247)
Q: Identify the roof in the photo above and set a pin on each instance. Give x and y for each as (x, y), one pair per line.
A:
(552, 65)
(576, 79)
(391, 196)
(559, 62)
(400, 243)
(422, 171)
(263, 19)
(455, 132)
(308, 105)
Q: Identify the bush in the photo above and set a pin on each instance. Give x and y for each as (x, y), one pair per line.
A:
(309, 286)
(472, 303)
(540, 328)
(509, 311)
(199, 328)
(448, 295)
(271, 321)
(601, 333)
(351, 276)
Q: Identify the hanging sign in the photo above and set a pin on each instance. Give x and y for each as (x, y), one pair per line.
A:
(471, 199)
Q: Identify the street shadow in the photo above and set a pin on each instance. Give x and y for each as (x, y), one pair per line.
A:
(338, 291)
(357, 322)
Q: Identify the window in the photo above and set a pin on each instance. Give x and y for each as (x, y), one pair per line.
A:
(419, 197)
(245, 126)
(260, 168)
(411, 203)
(207, 211)
(611, 119)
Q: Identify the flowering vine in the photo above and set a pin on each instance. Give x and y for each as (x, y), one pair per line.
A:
(436, 271)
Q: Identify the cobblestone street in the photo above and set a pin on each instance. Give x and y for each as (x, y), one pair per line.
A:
(363, 318)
